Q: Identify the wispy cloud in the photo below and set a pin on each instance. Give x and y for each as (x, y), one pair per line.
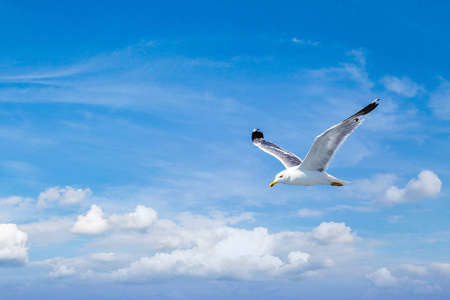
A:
(126, 78)
(440, 100)
(304, 42)
(403, 86)
(309, 213)
(312, 213)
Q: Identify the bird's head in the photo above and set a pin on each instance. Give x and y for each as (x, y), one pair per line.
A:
(282, 176)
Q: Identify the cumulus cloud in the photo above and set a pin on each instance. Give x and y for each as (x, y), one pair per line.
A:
(333, 233)
(403, 86)
(94, 222)
(141, 218)
(428, 184)
(416, 278)
(91, 224)
(241, 254)
(13, 245)
(202, 247)
(64, 196)
(382, 278)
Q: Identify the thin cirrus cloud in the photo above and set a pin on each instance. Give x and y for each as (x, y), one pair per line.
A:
(440, 100)
(126, 78)
(304, 42)
(402, 86)
(309, 213)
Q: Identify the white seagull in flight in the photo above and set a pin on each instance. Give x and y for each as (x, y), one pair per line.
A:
(312, 170)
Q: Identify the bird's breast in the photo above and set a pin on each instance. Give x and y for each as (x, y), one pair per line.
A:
(304, 177)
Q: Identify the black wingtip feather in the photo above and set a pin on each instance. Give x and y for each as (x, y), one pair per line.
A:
(256, 134)
(366, 109)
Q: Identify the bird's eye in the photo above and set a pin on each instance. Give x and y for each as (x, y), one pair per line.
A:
(281, 176)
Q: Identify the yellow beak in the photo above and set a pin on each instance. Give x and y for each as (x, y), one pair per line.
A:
(273, 183)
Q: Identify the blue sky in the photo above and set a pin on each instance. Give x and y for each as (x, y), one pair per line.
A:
(127, 168)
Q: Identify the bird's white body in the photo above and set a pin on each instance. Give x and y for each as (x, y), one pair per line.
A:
(297, 176)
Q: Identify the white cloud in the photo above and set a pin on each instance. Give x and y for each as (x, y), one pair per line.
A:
(416, 278)
(403, 86)
(85, 266)
(13, 245)
(428, 184)
(442, 269)
(345, 74)
(65, 196)
(13, 200)
(227, 253)
(344, 207)
(311, 213)
(91, 224)
(413, 269)
(440, 101)
(433, 269)
(55, 230)
(306, 212)
(141, 218)
(208, 248)
(332, 233)
(383, 278)
(62, 271)
(304, 42)
(94, 223)
(376, 185)
(50, 194)
(395, 218)
(126, 78)
(359, 55)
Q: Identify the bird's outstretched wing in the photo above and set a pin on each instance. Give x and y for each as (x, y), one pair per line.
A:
(287, 158)
(326, 145)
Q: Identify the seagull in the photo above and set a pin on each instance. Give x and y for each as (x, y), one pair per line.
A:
(311, 171)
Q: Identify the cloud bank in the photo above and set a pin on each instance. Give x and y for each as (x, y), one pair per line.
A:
(203, 247)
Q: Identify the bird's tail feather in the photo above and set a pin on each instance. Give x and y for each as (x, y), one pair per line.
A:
(337, 182)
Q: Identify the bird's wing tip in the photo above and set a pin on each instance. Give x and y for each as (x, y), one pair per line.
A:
(257, 135)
